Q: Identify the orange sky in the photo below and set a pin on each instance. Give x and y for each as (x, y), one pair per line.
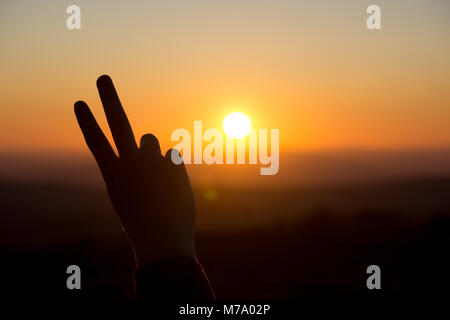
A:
(313, 70)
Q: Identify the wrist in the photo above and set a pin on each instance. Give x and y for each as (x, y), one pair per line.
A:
(151, 254)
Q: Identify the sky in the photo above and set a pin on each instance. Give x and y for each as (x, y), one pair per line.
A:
(311, 69)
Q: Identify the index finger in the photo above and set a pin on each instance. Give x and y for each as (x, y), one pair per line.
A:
(117, 119)
(95, 139)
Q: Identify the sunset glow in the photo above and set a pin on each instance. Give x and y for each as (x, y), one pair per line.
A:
(172, 65)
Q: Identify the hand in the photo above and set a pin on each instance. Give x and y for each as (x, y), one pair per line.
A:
(151, 195)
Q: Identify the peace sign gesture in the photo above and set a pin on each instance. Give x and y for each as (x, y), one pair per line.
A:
(151, 195)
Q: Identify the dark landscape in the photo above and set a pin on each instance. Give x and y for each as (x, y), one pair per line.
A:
(255, 243)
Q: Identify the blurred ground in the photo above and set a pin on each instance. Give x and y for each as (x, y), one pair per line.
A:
(279, 243)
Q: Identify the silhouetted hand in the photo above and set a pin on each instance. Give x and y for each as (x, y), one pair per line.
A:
(151, 195)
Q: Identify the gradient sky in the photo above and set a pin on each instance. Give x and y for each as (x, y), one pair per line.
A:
(311, 69)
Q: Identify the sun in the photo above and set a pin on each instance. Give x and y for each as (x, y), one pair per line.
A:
(237, 125)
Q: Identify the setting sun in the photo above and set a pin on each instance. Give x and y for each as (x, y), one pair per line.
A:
(237, 125)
